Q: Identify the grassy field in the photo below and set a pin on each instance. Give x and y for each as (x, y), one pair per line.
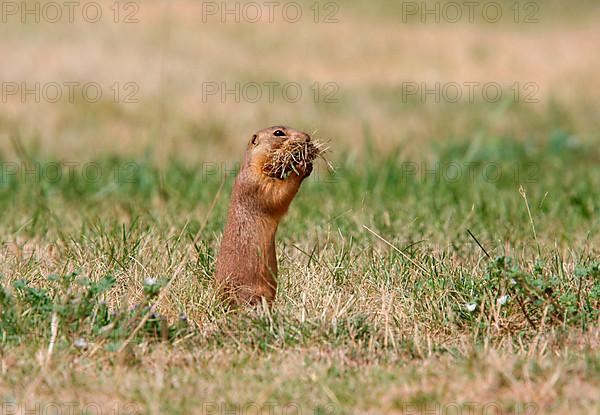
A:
(450, 263)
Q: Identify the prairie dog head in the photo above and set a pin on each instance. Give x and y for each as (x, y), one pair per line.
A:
(265, 141)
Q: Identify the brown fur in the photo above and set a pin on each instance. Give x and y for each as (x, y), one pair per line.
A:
(247, 262)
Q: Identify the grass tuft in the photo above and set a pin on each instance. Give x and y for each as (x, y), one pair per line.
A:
(293, 156)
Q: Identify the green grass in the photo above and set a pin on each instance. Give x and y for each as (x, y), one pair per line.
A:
(352, 313)
(395, 289)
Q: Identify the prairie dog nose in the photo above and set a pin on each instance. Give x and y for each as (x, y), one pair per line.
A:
(304, 137)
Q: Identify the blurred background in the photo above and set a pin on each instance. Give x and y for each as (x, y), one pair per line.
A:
(191, 80)
(407, 275)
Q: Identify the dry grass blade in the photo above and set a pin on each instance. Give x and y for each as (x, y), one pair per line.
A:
(293, 155)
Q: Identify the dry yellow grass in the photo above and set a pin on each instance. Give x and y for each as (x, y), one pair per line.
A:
(355, 324)
(292, 156)
(169, 55)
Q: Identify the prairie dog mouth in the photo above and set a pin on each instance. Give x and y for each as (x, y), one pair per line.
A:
(292, 156)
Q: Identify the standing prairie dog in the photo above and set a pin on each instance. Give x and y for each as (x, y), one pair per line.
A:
(247, 262)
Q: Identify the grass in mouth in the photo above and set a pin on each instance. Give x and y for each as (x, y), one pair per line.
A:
(292, 156)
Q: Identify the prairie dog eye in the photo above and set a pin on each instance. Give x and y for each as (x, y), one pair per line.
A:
(279, 133)
(254, 139)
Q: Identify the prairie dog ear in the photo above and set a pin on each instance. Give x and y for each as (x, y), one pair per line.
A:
(253, 141)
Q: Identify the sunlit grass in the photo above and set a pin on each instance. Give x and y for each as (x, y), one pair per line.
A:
(428, 293)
